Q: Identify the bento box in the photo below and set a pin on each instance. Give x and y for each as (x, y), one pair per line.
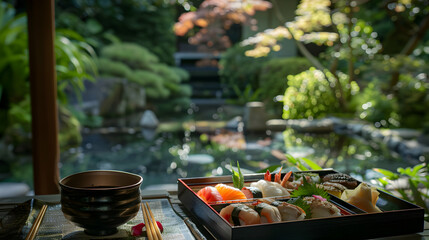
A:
(398, 217)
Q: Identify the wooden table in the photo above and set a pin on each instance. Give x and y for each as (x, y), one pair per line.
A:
(7, 204)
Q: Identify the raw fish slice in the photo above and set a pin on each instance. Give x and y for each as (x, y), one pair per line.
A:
(252, 192)
(209, 194)
(229, 193)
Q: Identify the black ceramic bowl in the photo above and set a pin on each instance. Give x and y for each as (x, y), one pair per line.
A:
(100, 201)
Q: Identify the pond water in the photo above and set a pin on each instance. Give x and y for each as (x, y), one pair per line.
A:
(171, 155)
(168, 153)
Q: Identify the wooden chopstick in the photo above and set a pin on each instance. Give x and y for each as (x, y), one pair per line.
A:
(152, 229)
(154, 224)
(147, 222)
(33, 230)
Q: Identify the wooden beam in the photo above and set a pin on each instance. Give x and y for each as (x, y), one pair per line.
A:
(43, 84)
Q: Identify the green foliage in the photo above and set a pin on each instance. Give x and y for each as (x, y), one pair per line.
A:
(244, 96)
(112, 68)
(236, 69)
(14, 57)
(309, 189)
(137, 64)
(273, 78)
(309, 94)
(237, 177)
(73, 64)
(413, 100)
(373, 106)
(146, 23)
(91, 121)
(130, 54)
(417, 178)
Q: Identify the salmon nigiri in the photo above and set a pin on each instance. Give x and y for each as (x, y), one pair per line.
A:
(229, 192)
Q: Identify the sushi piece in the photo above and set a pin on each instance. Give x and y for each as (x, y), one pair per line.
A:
(267, 213)
(321, 208)
(252, 192)
(229, 192)
(270, 189)
(240, 215)
(209, 194)
(289, 212)
(309, 177)
(335, 189)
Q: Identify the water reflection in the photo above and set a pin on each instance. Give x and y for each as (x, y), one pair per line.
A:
(203, 150)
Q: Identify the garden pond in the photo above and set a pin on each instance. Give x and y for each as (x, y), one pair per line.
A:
(162, 157)
(198, 148)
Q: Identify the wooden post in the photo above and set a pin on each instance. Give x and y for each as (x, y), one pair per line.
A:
(43, 84)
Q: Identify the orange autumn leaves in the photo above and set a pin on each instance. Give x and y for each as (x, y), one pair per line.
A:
(219, 15)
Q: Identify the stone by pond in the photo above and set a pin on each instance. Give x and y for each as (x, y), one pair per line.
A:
(403, 141)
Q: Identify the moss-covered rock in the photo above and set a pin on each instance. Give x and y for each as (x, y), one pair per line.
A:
(138, 65)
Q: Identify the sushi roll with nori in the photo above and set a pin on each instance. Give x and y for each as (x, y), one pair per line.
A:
(252, 192)
(240, 215)
(268, 213)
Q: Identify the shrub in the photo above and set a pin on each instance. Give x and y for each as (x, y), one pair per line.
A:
(139, 65)
(374, 106)
(236, 69)
(146, 23)
(112, 68)
(413, 100)
(309, 95)
(130, 54)
(273, 78)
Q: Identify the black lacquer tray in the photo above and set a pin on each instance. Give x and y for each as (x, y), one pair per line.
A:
(399, 217)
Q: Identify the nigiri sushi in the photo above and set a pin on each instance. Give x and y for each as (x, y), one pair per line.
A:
(321, 208)
(240, 215)
(289, 211)
(252, 192)
(335, 189)
(270, 189)
(268, 213)
(209, 194)
(229, 193)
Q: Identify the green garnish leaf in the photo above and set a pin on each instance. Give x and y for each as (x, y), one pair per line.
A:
(237, 177)
(302, 204)
(309, 189)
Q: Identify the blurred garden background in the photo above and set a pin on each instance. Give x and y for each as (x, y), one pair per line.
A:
(169, 89)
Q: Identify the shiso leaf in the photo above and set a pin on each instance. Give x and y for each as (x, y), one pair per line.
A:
(309, 189)
(302, 204)
(237, 177)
